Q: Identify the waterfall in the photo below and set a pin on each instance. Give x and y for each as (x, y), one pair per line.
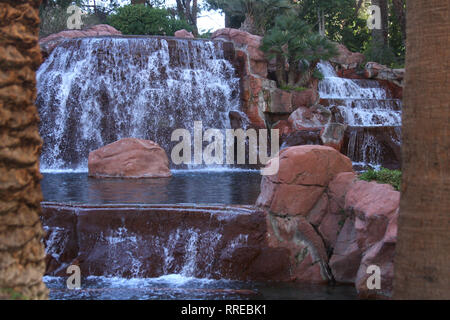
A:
(94, 91)
(372, 115)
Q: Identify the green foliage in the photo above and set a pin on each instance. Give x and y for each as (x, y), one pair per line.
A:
(392, 177)
(291, 40)
(145, 20)
(342, 22)
(259, 14)
(318, 75)
(381, 53)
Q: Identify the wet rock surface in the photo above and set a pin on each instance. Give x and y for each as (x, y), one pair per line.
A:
(150, 241)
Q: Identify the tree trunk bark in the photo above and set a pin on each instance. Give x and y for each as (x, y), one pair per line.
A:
(281, 70)
(399, 8)
(422, 262)
(22, 253)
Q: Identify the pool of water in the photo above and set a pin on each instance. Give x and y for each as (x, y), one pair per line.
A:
(199, 187)
(179, 287)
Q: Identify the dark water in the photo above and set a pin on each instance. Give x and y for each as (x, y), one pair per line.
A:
(182, 288)
(199, 187)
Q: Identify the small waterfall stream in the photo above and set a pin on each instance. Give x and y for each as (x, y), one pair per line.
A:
(372, 115)
(94, 91)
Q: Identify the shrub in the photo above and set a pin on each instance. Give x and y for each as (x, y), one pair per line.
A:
(145, 20)
(392, 177)
(291, 40)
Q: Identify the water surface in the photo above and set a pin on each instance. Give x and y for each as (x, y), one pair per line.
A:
(199, 187)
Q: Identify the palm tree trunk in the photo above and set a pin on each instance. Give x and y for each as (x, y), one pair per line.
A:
(422, 263)
(281, 70)
(22, 253)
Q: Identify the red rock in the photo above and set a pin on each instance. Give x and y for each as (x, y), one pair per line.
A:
(381, 255)
(300, 137)
(333, 135)
(129, 158)
(319, 210)
(303, 174)
(309, 118)
(347, 59)
(310, 165)
(183, 33)
(50, 42)
(338, 188)
(249, 44)
(308, 257)
(280, 102)
(283, 126)
(373, 205)
(372, 69)
(333, 220)
(346, 258)
(305, 98)
(378, 71)
(295, 199)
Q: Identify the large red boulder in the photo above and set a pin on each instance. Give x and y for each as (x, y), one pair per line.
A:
(50, 42)
(368, 236)
(295, 200)
(129, 158)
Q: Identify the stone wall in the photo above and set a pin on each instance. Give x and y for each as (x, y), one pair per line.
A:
(21, 250)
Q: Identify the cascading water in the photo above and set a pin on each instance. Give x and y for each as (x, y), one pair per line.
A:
(373, 116)
(94, 91)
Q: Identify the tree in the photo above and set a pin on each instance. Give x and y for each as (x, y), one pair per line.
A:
(257, 16)
(291, 41)
(342, 21)
(422, 261)
(188, 11)
(22, 254)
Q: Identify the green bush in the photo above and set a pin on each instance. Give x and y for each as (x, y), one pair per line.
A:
(144, 20)
(292, 40)
(392, 177)
(382, 54)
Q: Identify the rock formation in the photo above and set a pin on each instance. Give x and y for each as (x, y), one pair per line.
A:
(49, 43)
(22, 262)
(129, 158)
(333, 225)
